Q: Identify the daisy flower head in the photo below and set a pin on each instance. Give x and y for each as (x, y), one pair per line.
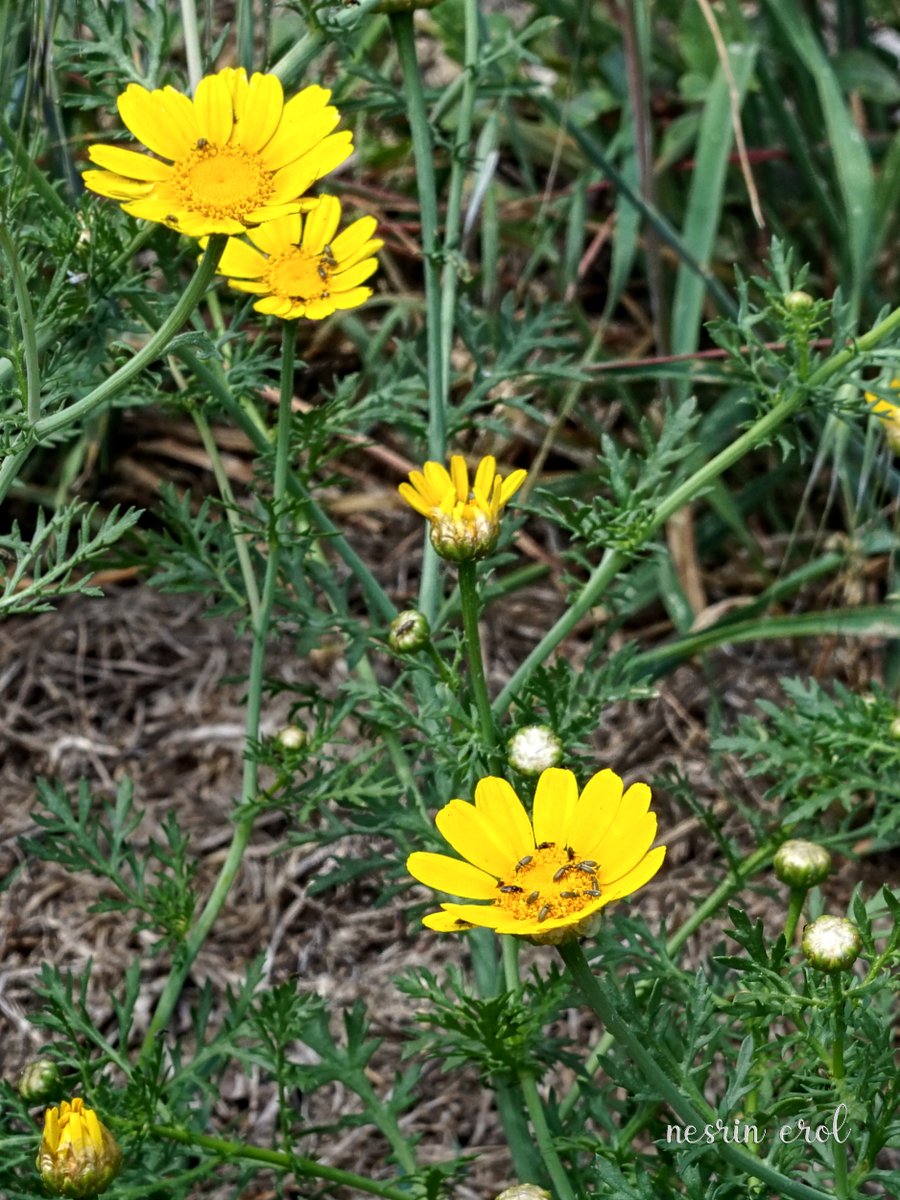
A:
(78, 1155)
(546, 877)
(465, 521)
(235, 155)
(888, 414)
(301, 266)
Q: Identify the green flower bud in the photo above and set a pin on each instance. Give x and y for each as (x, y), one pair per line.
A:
(409, 632)
(39, 1080)
(895, 727)
(831, 944)
(78, 1156)
(524, 1191)
(802, 864)
(798, 302)
(533, 749)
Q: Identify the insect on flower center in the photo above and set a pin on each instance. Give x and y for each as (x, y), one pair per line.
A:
(222, 181)
(299, 275)
(551, 881)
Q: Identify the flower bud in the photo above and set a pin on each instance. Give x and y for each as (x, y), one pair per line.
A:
(895, 727)
(802, 864)
(798, 302)
(291, 739)
(831, 944)
(78, 1156)
(409, 632)
(39, 1080)
(524, 1191)
(533, 749)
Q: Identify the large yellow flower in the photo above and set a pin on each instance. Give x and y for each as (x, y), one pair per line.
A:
(546, 878)
(237, 154)
(465, 522)
(302, 267)
(78, 1155)
(889, 415)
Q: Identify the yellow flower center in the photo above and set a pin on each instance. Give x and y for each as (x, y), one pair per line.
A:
(552, 881)
(222, 181)
(299, 275)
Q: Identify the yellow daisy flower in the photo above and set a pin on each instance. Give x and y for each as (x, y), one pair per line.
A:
(889, 415)
(545, 878)
(235, 155)
(301, 266)
(465, 522)
(78, 1155)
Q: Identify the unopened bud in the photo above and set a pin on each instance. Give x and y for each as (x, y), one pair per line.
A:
(524, 1191)
(291, 739)
(895, 727)
(798, 302)
(409, 632)
(78, 1156)
(831, 944)
(39, 1080)
(802, 864)
(533, 749)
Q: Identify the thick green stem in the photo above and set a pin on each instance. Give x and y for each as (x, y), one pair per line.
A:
(468, 599)
(247, 810)
(681, 1096)
(795, 908)
(613, 560)
(191, 32)
(838, 1074)
(295, 1163)
(423, 152)
(528, 1088)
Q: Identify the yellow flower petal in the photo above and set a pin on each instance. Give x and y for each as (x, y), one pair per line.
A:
(104, 183)
(445, 922)
(299, 176)
(446, 874)
(321, 224)
(484, 476)
(274, 236)
(502, 809)
(260, 112)
(511, 485)
(240, 259)
(347, 244)
(485, 916)
(595, 811)
(351, 299)
(555, 798)
(305, 120)
(637, 877)
(344, 281)
(438, 479)
(412, 497)
(273, 306)
(459, 474)
(473, 838)
(159, 120)
(624, 848)
(632, 807)
(128, 163)
(214, 109)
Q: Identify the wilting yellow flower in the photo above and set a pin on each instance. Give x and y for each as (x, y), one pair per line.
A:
(545, 878)
(237, 153)
(302, 267)
(78, 1155)
(889, 415)
(465, 523)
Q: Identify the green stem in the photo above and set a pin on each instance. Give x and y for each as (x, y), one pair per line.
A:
(528, 1088)
(614, 560)
(468, 599)
(838, 1074)
(307, 1167)
(423, 152)
(247, 810)
(239, 537)
(191, 42)
(154, 348)
(691, 1108)
(795, 908)
(36, 178)
(26, 320)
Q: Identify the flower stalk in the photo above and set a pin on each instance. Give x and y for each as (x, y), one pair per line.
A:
(468, 599)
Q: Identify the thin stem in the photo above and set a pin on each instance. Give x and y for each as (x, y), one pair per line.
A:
(614, 560)
(681, 1096)
(795, 908)
(307, 1167)
(838, 1074)
(528, 1088)
(468, 599)
(26, 320)
(239, 537)
(423, 152)
(247, 809)
(191, 33)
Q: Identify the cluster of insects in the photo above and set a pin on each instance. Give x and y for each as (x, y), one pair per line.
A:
(587, 866)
